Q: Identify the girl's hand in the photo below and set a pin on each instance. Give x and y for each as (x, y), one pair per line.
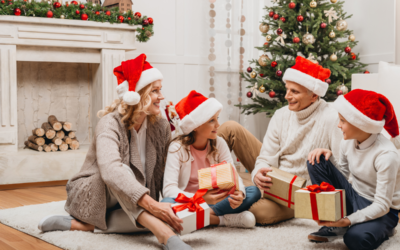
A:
(236, 199)
(212, 197)
(316, 154)
(343, 222)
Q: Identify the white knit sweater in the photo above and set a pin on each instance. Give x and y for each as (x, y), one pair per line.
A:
(291, 136)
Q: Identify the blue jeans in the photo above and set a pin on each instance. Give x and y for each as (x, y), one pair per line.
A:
(367, 235)
(223, 207)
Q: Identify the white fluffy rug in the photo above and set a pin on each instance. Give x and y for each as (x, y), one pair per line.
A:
(291, 234)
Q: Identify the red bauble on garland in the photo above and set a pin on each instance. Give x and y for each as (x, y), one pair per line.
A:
(279, 73)
(323, 25)
(274, 64)
(129, 18)
(276, 16)
(283, 19)
(296, 40)
(74, 2)
(81, 6)
(249, 94)
(150, 20)
(49, 14)
(77, 12)
(279, 31)
(328, 81)
(300, 18)
(353, 56)
(84, 16)
(271, 14)
(108, 13)
(366, 72)
(272, 94)
(249, 69)
(57, 5)
(347, 50)
(121, 19)
(138, 14)
(97, 13)
(145, 22)
(17, 11)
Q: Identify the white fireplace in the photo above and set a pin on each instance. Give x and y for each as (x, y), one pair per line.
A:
(54, 67)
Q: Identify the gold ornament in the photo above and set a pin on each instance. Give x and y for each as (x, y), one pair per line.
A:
(268, 38)
(263, 60)
(352, 37)
(313, 4)
(308, 39)
(333, 57)
(262, 89)
(341, 25)
(264, 27)
(253, 74)
(343, 88)
(332, 34)
(333, 1)
(62, 16)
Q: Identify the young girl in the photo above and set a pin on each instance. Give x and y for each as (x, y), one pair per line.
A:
(200, 147)
(373, 198)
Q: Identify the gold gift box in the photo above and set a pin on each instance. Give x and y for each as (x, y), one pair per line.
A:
(329, 205)
(226, 177)
(279, 192)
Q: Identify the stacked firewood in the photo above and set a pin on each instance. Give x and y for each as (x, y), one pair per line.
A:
(54, 135)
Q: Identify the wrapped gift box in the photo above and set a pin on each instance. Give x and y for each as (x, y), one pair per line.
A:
(222, 176)
(325, 206)
(284, 186)
(193, 221)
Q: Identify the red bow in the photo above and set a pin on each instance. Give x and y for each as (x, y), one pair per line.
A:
(324, 187)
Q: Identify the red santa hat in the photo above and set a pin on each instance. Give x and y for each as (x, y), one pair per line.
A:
(308, 74)
(370, 112)
(133, 75)
(195, 109)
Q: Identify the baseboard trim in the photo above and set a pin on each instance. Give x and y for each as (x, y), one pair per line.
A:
(33, 184)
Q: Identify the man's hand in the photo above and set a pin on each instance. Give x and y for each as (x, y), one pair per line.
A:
(316, 154)
(236, 199)
(212, 197)
(261, 180)
(343, 222)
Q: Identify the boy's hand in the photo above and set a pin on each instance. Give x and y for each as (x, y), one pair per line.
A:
(261, 180)
(343, 222)
(213, 196)
(236, 199)
(316, 154)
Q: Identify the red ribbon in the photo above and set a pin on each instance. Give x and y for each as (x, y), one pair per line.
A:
(289, 200)
(314, 190)
(214, 182)
(193, 204)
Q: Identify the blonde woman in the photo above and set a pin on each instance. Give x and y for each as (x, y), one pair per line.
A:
(117, 189)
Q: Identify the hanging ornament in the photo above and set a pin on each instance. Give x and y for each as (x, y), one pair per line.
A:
(266, 44)
(333, 1)
(150, 20)
(312, 58)
(97, 13)
(296, 40)
(74, 2)
(249, 69)
(62, 16)
(77, 12)
(352, 37)
(84, 16)
(121, 19)
(292, 5)
(262, 88)
(138, 14)
(276, 16)
(332, 34)
(279, 31)
(281, 38)
(129, 18)
(342, 88)
(339, 92)
(313, 4)
(366, 72)
(341, 25)
(331, 14)
(81, 6)
(17, 11)
(263, 60)
(279, 73)
(271, 14)
(274, 64)
(353, 56)
(333, 58)
(283, 19)
(308, 39)
(145, 22)
(49, 14)
(254, 90)
(300, 18)
(57, 5)
(323, 25)
(249, 94)
(268, 38)
(328, 81)
(264, 27)
(272, 94)
(253, 74)
(347, 49)
(3, 2)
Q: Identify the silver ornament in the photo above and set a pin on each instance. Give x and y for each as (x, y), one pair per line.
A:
(341, 25)
(62, 16)
(343, 88)
(263, 60)
(264, 27)
(308, 39)
(352, 37)
(333, 57)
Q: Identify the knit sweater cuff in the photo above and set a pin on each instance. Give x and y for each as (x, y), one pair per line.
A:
(141, 190)
(356, 218)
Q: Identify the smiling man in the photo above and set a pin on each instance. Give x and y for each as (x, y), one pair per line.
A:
(306, 123)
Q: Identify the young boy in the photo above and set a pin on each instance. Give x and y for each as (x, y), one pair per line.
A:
(373, 198)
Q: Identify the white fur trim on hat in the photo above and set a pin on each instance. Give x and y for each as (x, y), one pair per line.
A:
(122, 89)
(356, 118)
(317, 86)
(200, 115)
(147, 77)
(131, 98)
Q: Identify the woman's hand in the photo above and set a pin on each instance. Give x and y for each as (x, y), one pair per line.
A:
(316, 154)
(261, 180)
(212, 197)
(236, 199)
(343, 222)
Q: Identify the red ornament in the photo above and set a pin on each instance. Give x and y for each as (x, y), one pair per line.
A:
(17, 11)
(81, 6)
(84, 16)
(150, 20)
(328, 81)
(261, 75)
(138, 14)
(283, 20)
(57, 5)
(292, 5)
(145, 22)
(67, 4)
(97, 12)
(366, 72)
(9, 3)
(279, 73)
(266, 44)
(77, 12)
(339, 92)
(272, 94)
(3, 2)
(249, 69)
(74, 2)
(323, 25)
(108, 13)
(353, 56)
(347, 50)
(276, 17)
(129, 18)
(279, 31)
(121, 19)
(271, 14)
(249, 94)
(296, 40)
(300, 18)
(49, 14)
(274, 64)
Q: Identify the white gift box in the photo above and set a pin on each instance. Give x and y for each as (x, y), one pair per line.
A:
(190, 218)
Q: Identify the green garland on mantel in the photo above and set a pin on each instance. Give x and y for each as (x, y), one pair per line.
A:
(86, 11)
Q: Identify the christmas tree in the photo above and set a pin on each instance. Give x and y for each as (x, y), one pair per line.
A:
(316, 30)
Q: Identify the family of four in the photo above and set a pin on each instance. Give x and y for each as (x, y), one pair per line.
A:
(133, 160)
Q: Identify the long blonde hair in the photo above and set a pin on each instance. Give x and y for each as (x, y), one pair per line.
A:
(131, 113)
